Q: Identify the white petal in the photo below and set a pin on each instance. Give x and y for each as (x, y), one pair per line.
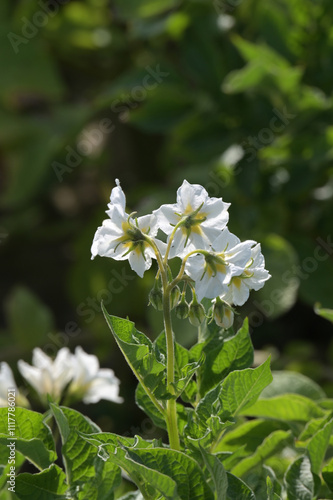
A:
(225, 241)
(86, 366)
(238, 257)
(40, 359)
(62, 370)
(191, 196)
(148, 224)
(103, 388)
(117, 196)
(209, 287)
(166, 217)
(31, 374)
(6, 380)
(161, 246)
(138, 263)
(195, 266)
(217, 213)
(105, 238)
(240, 293)
(178, 248)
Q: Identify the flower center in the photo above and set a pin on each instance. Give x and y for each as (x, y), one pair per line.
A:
(190, 220)
(214, 264)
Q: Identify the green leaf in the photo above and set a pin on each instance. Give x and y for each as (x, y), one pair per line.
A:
(145, 403)
(182, 469)
(289, 407)
(107, 478)
(114, 448)
(327, 474)
(273, 487)
(84, 468)
(313, 427)
(151, 482)
(238, 391)
(50, 484)
(324, 313)
(242, 388)
(318, 445)
(140, 355)
(238, 490)
(34, 439)
(78, 455)
(34, 450)
(274, 443)
(217, 473)
(261, 69)
(225, 356)
(299, 480)
(155, 470)
(270, 490)
(285, 382)
(249, 434)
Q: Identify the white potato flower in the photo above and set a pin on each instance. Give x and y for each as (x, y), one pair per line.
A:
(253, 277)
(121, 237)
(212, 271)
(77, 373)
(200, 219)
(90, 382)
(48, 376)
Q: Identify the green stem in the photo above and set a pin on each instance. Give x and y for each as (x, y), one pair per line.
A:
(180, 275)
(171, 411)
(169, 243)
(170, 346)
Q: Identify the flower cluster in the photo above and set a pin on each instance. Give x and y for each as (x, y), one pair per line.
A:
(215, 263)
(78, 375)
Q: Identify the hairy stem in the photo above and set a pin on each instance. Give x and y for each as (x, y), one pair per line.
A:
(171, 413)
(170, 345)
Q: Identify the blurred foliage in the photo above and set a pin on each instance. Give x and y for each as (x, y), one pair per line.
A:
(236, 96)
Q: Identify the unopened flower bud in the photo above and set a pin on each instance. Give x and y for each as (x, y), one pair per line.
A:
(175, 294)
(156, 297)
(196, 313)
(182, 309)
(223, 314)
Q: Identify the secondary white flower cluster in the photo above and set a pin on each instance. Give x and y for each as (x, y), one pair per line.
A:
(220, 265)
(79, 373)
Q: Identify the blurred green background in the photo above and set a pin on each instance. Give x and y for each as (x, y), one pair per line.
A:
(235, 95)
